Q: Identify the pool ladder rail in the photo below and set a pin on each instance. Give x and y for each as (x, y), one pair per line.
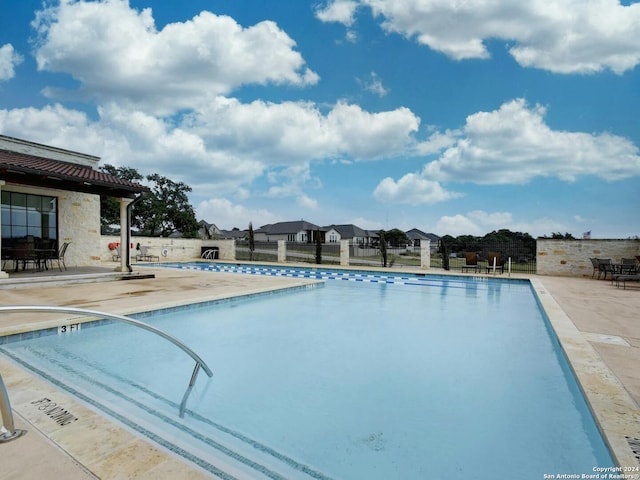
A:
(4, 398)
(9, 431)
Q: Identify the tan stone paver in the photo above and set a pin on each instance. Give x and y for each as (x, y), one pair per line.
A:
(604, 317)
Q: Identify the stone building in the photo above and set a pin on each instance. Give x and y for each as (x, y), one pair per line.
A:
(52, 196)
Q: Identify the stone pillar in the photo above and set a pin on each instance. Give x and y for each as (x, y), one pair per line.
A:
(3, 274)
(425, 254)
(344, 253)
(124, 243)
(282, 251)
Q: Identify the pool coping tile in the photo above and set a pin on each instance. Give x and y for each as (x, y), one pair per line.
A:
(616, 413)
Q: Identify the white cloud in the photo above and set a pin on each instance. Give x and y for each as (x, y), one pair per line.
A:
(371, 136)
(564, 36)
(9, 59)
(116, 53)
(134, 139)
(479, 223)
(227, 215)
(53, 125)
(307, 202)
(495, 220)
(513, 145)
(457, 225)
(294, 182)
(351, 36)
(412, 189)
(436, 143)
(297, 132)
(341, 11)
(375, 86)
(226, 145)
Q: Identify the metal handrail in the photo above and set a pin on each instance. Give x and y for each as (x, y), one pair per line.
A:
(7, 417)
(209, 254)
(130, 321)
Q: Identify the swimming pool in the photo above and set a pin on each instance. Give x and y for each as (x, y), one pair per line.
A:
(387, 376)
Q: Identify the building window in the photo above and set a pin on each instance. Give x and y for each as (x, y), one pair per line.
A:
(25, 215)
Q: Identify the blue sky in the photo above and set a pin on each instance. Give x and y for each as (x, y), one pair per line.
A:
(454, 117)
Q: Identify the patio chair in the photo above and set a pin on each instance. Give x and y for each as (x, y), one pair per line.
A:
(498, 261)
(596, 266)
(117, 255)
(470, 261)
(605, 268)
(46, 251)
(628, 266)
(145, 256)
(24, 252)
(59, 256)
(623, 279)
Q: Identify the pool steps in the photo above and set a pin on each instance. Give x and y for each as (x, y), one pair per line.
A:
(131, 321)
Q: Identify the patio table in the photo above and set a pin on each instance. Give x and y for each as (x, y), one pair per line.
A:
(39, 257)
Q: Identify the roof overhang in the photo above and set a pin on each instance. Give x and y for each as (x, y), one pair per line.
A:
(25, 169)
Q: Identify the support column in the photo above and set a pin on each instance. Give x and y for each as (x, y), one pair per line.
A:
(124, 228)
(3, 274)
(344, 253)
(282, 251)
(425, 254)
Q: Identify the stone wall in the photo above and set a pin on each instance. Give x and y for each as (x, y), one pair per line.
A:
(168, 249)
(79, 223)
(171, 249)
(554, 257)
(226, 248)
(572, 257)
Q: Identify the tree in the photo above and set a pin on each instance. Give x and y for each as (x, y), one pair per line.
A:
(396, 237)
(383, 247)
(318, 247)
(560, 236)
(252, 242)
(163, 211)
(109, 206)
(166, 209)
(444, 249)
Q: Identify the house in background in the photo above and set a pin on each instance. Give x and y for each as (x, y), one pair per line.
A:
(353, 233)
(53, 194)
(417, 236)
(298, 231)
(207, 231)
(233, 234)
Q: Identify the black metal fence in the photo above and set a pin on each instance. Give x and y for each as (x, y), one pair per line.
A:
(365, 255)
(307, 253)
(522, 254)
(262, 252)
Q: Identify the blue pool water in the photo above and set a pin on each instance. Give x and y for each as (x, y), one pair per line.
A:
(368, 376)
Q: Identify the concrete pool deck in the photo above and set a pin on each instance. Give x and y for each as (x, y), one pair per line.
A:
(598, 325)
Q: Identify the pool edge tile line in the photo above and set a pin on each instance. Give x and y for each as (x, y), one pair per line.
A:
(599, 386)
